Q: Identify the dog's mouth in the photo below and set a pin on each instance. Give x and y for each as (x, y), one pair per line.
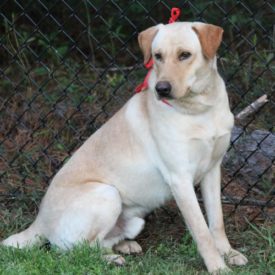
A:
(167, 97)
(185, 96)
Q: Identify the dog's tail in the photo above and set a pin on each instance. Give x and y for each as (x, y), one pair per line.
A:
(29, 237)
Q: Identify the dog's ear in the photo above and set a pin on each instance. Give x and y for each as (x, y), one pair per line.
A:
(210, 37)
(145, 40)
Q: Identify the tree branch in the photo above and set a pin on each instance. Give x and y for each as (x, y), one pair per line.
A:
(252, 108)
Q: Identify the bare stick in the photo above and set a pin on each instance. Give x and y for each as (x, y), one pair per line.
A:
(246, 201)
(240, 201)
(252, 108)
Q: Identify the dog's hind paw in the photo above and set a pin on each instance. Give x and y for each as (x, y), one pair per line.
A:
(114, 259)
(128, 247)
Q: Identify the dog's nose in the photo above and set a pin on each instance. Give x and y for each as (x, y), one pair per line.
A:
(163, 88)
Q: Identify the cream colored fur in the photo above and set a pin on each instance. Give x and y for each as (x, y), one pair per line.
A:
(146, 154)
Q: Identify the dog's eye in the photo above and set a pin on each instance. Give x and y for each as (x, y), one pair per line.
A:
(158, 56)
(184, 55)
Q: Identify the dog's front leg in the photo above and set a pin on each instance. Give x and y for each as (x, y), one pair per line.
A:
(211, 192)
(185, 196)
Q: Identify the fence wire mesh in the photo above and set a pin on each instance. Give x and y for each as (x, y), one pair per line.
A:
(67, 66)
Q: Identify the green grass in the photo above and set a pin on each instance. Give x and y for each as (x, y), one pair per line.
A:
(167, 257)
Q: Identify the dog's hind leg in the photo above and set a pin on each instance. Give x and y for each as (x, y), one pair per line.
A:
(132, 228)
(88, 212)
(91, 212)
(125, 228)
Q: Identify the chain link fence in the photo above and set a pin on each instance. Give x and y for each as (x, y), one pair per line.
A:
(67, 66)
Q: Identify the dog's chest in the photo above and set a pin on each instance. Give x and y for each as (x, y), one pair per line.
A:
(205, 152)
(194, 146)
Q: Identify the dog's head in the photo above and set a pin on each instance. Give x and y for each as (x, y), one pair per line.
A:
(183, 54)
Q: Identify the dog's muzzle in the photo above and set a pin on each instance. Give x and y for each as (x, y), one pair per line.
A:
(163, 89)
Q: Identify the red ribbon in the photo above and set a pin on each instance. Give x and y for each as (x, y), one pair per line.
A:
(175, 13)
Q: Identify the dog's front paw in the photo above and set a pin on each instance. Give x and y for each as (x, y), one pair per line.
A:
(128, 247)
(234, 257)
(217, 266)
(114, 259)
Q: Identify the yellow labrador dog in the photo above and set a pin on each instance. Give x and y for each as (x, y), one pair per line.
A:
(149, 152)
